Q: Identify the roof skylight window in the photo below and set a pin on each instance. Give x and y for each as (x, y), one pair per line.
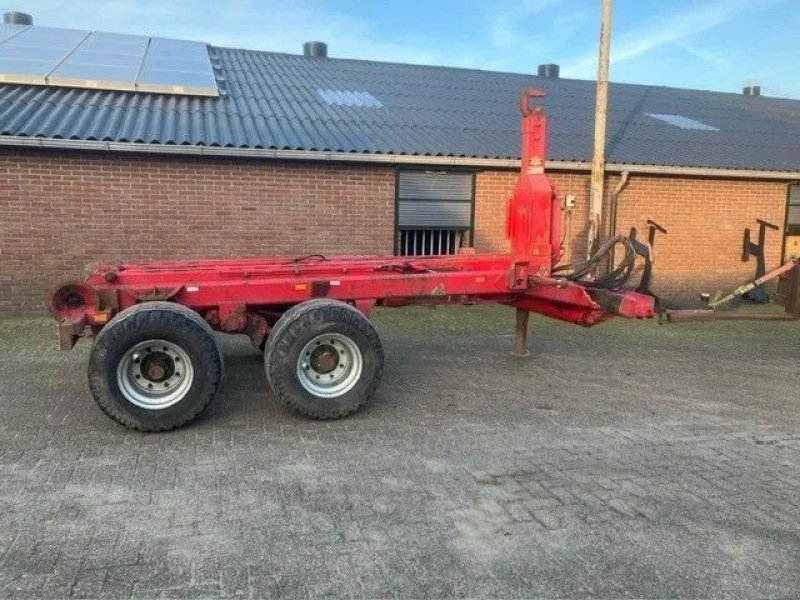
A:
(682, 122)
(358, 98)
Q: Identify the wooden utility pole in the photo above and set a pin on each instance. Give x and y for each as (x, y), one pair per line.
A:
(599, 157)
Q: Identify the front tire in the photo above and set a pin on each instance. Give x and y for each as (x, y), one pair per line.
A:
(156, 366)
(324, 359)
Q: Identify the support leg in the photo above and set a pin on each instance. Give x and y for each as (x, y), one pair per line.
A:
(521, 333)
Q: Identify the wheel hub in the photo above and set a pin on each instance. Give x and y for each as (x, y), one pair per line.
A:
(155, 374)
(330, 365)
(158, 366)
(324, 359)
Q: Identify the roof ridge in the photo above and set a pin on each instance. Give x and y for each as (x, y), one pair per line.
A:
(477, 70)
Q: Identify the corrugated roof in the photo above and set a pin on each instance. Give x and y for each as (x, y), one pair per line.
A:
(291, 102)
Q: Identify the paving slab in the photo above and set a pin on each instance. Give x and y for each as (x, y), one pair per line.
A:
(627, 460)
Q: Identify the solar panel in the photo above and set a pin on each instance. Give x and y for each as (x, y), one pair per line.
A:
(118, 43)
(103, 77)
(24, 71)
(157, 60)
(32, 52)
(100, 60)
(87, 57)
(8, 30)
(174, 82)
(174, 66)
(49, 37)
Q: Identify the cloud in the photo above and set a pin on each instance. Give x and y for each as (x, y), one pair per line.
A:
(524, 33)
(704, 54)
(670, 29)
(510, 27)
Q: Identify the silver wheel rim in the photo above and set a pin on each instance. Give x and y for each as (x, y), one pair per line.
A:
(155, 374)
(329, 365)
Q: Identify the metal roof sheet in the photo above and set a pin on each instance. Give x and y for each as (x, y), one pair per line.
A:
(273, 101)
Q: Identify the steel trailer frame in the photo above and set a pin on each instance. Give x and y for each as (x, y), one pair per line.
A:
(249, 295)
(246, 295)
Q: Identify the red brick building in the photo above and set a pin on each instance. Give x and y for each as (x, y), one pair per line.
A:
(310, 154)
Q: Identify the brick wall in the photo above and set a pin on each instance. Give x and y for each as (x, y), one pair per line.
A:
(62, 210)
(705, 219)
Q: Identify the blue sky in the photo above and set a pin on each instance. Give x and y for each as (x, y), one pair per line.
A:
(703, 44)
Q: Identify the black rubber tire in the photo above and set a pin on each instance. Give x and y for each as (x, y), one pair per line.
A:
(299, 325)
(155, 320)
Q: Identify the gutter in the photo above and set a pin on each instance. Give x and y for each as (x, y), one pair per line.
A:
(390, 159)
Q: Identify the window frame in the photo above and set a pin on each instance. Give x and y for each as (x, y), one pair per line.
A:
(789, 230)
(789, 204)
(470, 233)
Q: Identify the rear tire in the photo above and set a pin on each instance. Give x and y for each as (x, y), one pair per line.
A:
(324, 359)
(156, 366)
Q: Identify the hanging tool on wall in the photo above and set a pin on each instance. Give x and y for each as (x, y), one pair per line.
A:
(759, 294)
(647, 252)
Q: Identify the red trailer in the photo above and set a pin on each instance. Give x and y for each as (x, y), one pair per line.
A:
(156, 364)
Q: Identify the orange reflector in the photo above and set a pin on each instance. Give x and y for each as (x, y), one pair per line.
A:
(300, 287)
(99, 318)
(480, 279)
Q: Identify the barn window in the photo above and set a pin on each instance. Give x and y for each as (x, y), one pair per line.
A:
(793, 210)
(434, 212)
